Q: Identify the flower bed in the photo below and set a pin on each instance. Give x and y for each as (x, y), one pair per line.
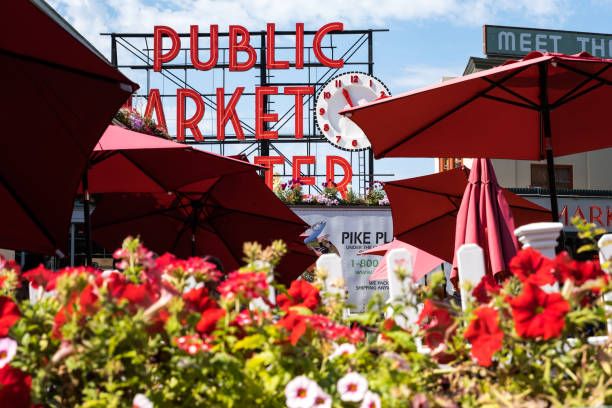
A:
(167, 332)
(292, 193)
(133, 120)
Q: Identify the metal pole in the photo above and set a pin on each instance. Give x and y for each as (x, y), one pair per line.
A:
(546, 133)
(72, 244)
(88, 247)
(263, 81)
(370, 72)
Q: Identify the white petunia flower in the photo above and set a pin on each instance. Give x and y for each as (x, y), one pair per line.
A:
(322, 400)
(301, 392)
(352, 387)
(8, 349)
(140, 401)
(343, 349)
(370, 400)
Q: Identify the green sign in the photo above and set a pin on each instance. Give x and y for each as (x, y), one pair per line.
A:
(517, 41)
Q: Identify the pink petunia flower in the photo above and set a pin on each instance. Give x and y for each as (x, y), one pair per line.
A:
(352, 387)
(370, 400)
(141, 401)
(301, 392)
(8, 349)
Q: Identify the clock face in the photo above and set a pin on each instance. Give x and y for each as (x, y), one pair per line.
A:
(342, 92)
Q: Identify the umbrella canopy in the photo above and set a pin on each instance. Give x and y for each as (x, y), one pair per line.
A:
(424, 210)
(485, 219)
(531, 109)
(215, 218)
(60, 95)
(128, 161)
(422, 262)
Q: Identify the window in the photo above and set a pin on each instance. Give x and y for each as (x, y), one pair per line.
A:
(563, 176)
(448, 164)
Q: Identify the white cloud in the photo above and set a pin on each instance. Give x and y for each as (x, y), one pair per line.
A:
(417, 76)
(91, 17)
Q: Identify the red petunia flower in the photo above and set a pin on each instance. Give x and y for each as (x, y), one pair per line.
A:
(209, 319)
(40, 277)
(246, 285)
(14, 388)
(578, 272)
(9, 315)
(301, 293)
(531, 267)
(539, 314)
(198, 300)
(487, 285)
(485, 335)
(436, 321)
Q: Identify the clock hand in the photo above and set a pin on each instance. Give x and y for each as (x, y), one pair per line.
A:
(347, 97)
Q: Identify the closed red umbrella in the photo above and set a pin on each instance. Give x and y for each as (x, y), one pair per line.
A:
(542, 106)
(422, 262)
(424, 210)
(215, 218)
(485, 219)
(59, 96)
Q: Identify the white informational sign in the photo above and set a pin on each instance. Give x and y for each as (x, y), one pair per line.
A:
(349, 231)
(597, 210)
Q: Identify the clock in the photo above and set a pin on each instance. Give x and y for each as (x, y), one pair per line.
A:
(342, 92)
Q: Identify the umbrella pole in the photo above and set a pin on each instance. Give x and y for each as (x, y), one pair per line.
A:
(86, 217)
(193, 238)
(550, 162)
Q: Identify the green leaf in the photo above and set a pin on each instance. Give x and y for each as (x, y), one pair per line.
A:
(250, 342)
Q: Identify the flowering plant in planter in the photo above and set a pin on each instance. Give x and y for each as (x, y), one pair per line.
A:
(168, 332)
(131, 118)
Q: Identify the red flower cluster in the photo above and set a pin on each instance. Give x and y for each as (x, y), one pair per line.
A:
(209, 319)
(9, 315)
(436, 321)
(297, 324)
(197, 300)
(485, 335)
(539, 314)
(14, 388)
(487, 285)
(578, 272)
(531, 267)
(246, 285)
(197, 267)
(192, 344)
(301, 293)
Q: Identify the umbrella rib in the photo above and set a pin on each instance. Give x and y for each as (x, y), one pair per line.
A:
(449, 213)
(145, 172)
(562, 100)
(180, 234)
(29, 212)
(586, 74)
(249, 213)
(136, 217)
(532, 104)
(423, 190)
(450, 112)
(229, 248)
(59, 66)
(569, 99)
(100, 156)
(502, 100)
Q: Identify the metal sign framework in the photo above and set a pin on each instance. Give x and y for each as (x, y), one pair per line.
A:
(141, 58)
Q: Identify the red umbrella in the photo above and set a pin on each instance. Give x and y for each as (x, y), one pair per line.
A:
(216, 220)
(60, 94)
(422, 262)
(542, 106)
(128, 161)
(485, 218)
(424, 210)
(297, 260)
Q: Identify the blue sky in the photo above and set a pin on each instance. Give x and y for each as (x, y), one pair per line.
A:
(428, 39)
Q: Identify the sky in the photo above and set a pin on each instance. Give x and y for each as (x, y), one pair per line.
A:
(427, 39)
